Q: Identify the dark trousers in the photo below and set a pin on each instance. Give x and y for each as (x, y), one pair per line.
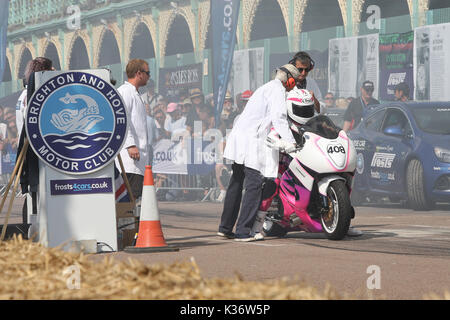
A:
(252, 181)
(136, 183)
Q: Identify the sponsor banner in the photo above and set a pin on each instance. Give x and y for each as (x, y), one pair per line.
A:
(76, 122)
(431, 67)
(342, 69)
(4, 12)
(396, 63)
(169, 157)
(188, 156)
(80, 186)
(345, 77)
(203, 156)
(174, 80)
(248, 70)
(224, 18)
(8, 159)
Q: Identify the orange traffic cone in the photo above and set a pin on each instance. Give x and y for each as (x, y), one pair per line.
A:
(150, 236)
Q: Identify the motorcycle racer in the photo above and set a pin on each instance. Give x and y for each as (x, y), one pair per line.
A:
(300, 109)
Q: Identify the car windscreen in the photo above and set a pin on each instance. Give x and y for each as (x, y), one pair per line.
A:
(435, 120)
(322, 126)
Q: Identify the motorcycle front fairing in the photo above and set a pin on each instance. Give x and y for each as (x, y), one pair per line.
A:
(325, 148)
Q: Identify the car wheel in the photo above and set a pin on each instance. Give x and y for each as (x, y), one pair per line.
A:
(415, 186)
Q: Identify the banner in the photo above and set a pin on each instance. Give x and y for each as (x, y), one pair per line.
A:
(345, 77)
(174, 80)
(247, 71)
(431, 62)
(169, 157)
(224, 17)
(8, 158)
(188, 156)
(4, 12)
(396, 63)
(342, 69)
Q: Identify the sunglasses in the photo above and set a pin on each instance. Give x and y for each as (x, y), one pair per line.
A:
(146, 72)
(303, 69)
(328, 98)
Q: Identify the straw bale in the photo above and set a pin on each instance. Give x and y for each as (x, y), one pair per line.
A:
(31, 271)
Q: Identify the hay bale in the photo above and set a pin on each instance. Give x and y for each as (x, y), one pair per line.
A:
(31, 271)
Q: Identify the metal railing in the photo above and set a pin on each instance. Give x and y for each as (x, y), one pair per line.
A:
(172, 187)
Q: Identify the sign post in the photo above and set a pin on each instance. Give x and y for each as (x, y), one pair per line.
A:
(76, 124)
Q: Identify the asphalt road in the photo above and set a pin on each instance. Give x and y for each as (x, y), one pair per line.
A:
(403, 254)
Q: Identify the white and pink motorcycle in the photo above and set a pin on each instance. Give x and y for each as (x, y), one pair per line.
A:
(314, 184)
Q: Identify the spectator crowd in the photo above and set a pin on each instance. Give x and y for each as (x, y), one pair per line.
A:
(190, 114)
(8, 138)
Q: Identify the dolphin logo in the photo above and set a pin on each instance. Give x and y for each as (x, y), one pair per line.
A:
(70, 120)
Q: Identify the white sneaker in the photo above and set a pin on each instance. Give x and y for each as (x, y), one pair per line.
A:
(248, 239)
(259, 236)
(221, 196)
(352, 232)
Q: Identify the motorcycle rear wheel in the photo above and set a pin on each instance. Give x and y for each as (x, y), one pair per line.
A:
(336, 221)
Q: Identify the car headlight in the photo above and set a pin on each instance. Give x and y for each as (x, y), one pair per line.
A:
(442, 154)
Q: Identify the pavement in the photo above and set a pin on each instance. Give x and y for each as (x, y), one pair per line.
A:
(403, 254)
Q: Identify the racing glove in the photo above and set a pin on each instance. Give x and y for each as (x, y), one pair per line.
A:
(274, 141)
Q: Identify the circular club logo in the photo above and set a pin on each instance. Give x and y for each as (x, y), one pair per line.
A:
(76, 122)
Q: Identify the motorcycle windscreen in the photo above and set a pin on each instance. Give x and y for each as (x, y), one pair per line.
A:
(322, 126)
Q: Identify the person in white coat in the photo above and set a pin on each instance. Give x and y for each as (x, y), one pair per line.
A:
(135, 153)
(252, 158)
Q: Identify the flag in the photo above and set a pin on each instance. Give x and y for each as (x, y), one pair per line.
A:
(224, 17)
(121, 189)
(4, 12)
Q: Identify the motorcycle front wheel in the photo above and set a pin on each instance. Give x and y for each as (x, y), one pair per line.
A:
(336, 220)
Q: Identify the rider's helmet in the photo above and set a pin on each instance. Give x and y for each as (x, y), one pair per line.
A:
(300, 106)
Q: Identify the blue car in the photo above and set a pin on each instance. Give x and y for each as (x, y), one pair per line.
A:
(403, 152)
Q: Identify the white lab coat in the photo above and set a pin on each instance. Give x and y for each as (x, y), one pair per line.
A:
(20, 110)
(246, 142)
(137, 130)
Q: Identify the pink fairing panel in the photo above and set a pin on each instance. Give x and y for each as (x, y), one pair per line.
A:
(295, 199)
(265, 203)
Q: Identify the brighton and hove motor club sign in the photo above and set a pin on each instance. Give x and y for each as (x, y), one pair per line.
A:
(76, 122)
